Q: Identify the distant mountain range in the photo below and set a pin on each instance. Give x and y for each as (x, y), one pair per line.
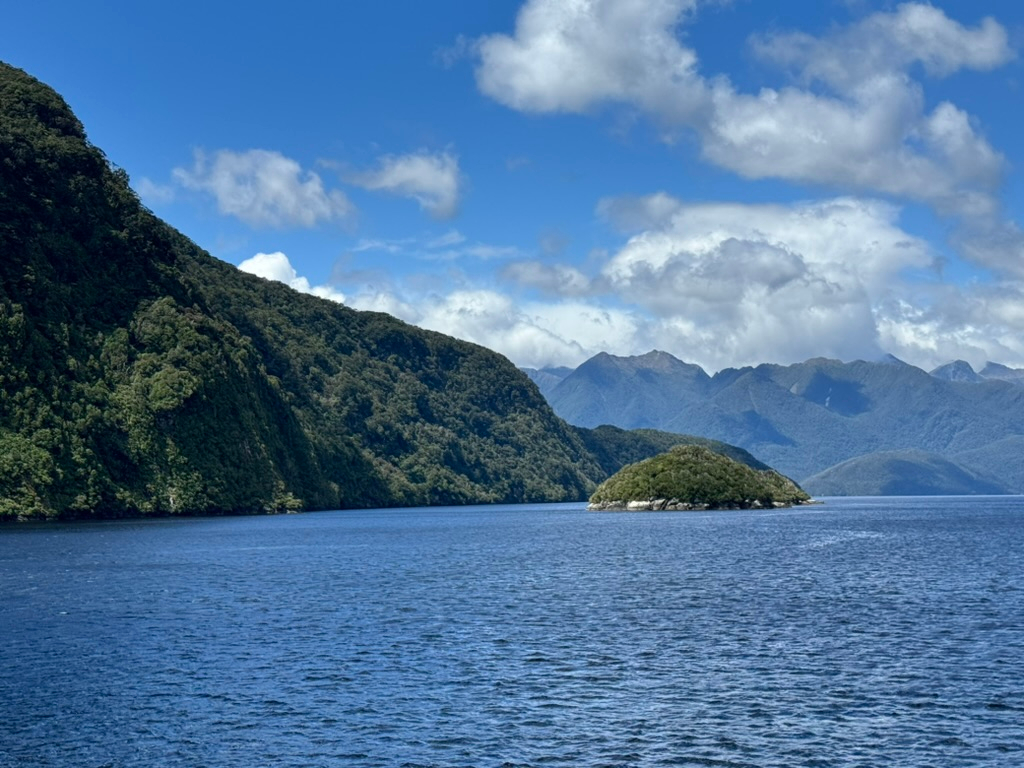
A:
(953, 430)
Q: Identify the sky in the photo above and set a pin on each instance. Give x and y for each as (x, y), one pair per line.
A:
(734, 182)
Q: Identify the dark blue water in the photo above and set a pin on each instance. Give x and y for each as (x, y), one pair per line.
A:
(861, 633)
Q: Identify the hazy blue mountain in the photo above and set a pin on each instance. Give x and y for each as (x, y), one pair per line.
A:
(1002, 372)
(642, 390)
(958, 370)
(900, 473)
(804, 418)
(546, 379)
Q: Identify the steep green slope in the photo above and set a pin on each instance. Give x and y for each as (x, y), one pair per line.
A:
(695, 476)
(138, 375)
(900, 473)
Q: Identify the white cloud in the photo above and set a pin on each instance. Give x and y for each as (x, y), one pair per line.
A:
(727, 285)
(449, 238)
(717, 284)
(890, 42)
(277, 266)
(872, 132)
(740, 284)
(532, 334)
(264, 188)
(878, 139)
(432, 179)
(571, 55)
(377, 244)
(153, 193)
(451, 246)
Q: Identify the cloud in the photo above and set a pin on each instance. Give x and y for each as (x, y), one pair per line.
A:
(264, 189)
(570, 56)
(739, 284)
(432, 179)
(844, 235)
(549, 279)
(727, 284)
(449, 238)
(867, 130)
(719, 284)
(976, 323)
(532, 334)
(915, 33)
(153, 193)
(277, 266)
(451, 246)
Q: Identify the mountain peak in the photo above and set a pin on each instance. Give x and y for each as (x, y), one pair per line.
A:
(1000, 371)
(957, 370)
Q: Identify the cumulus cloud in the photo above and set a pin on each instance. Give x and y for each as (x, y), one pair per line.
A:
(529, 333)
(915, 33)
(569, 56)
(277, 266)
(431, 179)
(977, 323)
(727, 284)
(719, 284)
(264, 189)
(737, 283)
(867, 129)
(550, 279)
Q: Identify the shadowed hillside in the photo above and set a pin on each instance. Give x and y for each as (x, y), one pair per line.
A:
(900, 473)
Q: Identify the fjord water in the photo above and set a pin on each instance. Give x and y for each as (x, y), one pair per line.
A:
(864, 632)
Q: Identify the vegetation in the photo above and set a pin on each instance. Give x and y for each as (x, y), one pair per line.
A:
(141, 376)
(694, 475)
(138, 375)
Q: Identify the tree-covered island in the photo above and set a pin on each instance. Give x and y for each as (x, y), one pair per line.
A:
(693, 477)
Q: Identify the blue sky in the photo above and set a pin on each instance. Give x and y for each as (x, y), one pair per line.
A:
(733, 182)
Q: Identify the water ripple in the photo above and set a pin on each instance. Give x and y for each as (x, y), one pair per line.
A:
(520, 637)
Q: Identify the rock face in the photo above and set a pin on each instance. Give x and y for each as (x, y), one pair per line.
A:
(693, 477)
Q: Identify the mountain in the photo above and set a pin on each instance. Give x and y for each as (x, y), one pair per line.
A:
(635, 389)
(958, 370)
(900, 473)
(546, 378)
(804, 418)
(1002, 372)
(141, 376)
(138, 374)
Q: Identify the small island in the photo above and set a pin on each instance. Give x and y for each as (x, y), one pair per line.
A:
(692, 477)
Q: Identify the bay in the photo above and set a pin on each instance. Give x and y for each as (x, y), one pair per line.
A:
(863, 632)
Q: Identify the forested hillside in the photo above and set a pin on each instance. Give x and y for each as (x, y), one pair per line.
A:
(139, 375)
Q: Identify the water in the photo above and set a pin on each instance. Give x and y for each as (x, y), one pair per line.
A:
(861, 633)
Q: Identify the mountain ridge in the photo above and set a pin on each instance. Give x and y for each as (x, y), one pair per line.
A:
(806, 417)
